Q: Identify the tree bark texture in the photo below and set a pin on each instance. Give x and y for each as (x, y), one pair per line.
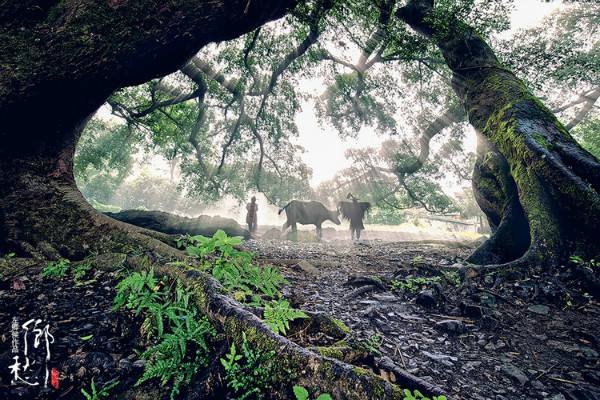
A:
(177, 225)
(557, 181)
(59, 61)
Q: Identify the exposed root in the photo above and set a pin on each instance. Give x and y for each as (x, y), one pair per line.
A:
(297, 364)
(358, 281)
(177, 225)
(515, 268)
(360, 291)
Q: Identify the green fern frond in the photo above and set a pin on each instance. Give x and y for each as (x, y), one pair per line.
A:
(278, 314)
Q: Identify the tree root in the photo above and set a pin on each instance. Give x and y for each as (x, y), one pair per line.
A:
(512, 269)
(177, 225)
(296, 365)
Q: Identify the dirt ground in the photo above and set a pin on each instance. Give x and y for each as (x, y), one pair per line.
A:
(533, 339)
(494, 339)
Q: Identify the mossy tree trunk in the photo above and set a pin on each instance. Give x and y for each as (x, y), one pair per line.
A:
(496, 193)
(60, 60)
(557, 182)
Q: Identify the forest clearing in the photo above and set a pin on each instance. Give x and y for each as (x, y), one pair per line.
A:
(305, 200)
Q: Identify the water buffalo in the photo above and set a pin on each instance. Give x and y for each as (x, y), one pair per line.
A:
(307, 213)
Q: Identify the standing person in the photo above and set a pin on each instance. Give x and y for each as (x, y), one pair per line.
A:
(251, 218)
(354, 211)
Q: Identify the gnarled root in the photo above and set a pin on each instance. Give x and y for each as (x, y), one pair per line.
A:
(296, 364)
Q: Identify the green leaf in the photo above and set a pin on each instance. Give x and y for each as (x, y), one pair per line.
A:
(324, 396)
(300, 393)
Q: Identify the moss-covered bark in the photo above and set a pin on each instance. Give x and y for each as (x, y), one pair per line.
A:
(173, 224)
(557, 181)
(59, 60)
(496, 193)
(295, 364)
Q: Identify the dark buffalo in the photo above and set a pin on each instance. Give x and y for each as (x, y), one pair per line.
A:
(308, 213)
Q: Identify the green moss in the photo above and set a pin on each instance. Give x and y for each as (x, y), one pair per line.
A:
(332, 352)
(340, 324)
(542, 141)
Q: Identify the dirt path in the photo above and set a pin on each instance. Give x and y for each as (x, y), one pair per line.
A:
(536, 339)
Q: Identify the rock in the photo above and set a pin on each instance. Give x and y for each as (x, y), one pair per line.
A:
(125, 365)
(441, 358)
(514, 373)
(451, 326)
(592, 376)
(102, 361)
(471, 365)
(588, 353)
(271, 234)
(490, 346)
(539, 309)
(307, 267)
(385, 298)
(173, 224)
(537, 385)
(426, 298)
(471, 310)
(581, 394)
(557, 397)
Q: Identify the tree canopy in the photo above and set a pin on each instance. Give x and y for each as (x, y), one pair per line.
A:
(226, 121)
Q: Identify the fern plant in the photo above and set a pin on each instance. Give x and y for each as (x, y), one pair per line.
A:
(81, 270)
(182, 334)
(248, 374)
(179, 355)
(302, 394)
(234, 268)
(56, 268)
(413, 285)
(416, 395)
(95, 394)
(278, 314)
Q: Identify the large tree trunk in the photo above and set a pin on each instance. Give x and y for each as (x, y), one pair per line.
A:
(60, 61)
(557, 181)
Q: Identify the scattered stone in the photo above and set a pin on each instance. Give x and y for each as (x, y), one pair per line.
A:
(471, 365)
(307, 267)
(441, 358)
(537, 385)
(471, 310)
(581, 394)
(490, 346)
(451, 326)
(557, 397)
(539, 309)
(514, 373)
(588, 353)
(271, 234)
(426, 298)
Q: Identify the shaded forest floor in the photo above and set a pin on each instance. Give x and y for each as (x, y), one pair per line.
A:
(535, 338)
(532, 339)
